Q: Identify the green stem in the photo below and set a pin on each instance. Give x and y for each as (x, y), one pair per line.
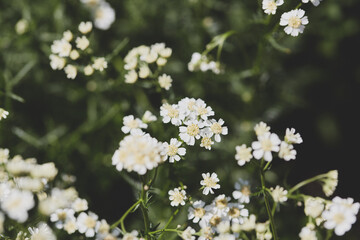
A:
(267, 205)
(164, 230)
(168, 222)
(144, 211)
(305, 182)
(121, 220)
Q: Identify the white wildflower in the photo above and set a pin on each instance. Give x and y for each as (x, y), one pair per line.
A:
(242, 192)
(57, 62)
(61, 47)
(88, 70)
(191, 131)
(330, 182)
(216, 128)
(80, 205)
(291, 137)
(104, 16)
(243, 154)
(165, 81)
(209, 183)
(279, 194)
(261, 128)
(4, 155)
(67, 35)
(287, 151)
(17, 204)
(177, 197)
(313, 206)
(171, 113)
(131, 77)
(173, 151)
(86, 223)
(82, 42)
(196, 211)
(294, 21)
(267, 143)
(206, 141)
(70, 71)
(307, 233)
(131, 124)
(100, 64)
(148, 117)
(60, 216)
(74, 54)
(188, 234)
(314, 2)
(85, 27)
(144, 71)
(270, 6)
(3, 113)
(42, 232)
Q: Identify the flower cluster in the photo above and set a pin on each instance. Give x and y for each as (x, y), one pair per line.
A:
(68, 51)
(3, 113)
(200, 62)
(267, 143)
(192, 116)
(103, 14)
(143, 61)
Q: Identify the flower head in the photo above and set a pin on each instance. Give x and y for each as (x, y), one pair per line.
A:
(85, 27)
(267, 143)
(86, 223)
(243, 154)
(42, 232)
(279, 194)
(270, 6)
(209, 183)
(177, 197)
(173, 151)
(165, 81)
(294, 21)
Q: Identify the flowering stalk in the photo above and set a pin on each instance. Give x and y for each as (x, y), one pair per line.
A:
(267, 205)
(144, 211)
(167, 224)
(307, 181)
(121, 220)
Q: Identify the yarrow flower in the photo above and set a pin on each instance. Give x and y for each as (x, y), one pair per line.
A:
(287, 151)
(294, 21)
(330, 182)
(267, 143)
(308, 233)
(291, 137)
(314, 206)
(85, 27)
(138, 152)
(196, 211)
(243, 154)
(131, 124)
(165, 81)
(173, 151)
(279, 194)
(202, 63)
(177, 197)
(86, 223)
(42, 232)
(209, 183)
(188, 234)
(242, 191)
(270, 6)
(261, 128)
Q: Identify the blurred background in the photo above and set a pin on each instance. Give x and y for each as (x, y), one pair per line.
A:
(77, 123)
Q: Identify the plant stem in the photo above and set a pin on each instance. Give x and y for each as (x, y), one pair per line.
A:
(307, 181)
(121, 220)
(267, 205)
(144, 211)
(168, 223)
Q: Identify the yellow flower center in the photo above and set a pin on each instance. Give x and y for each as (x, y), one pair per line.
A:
(271, 6)
(234, 212)
(206, 141)
(221, 203)
(90, 222)
(199, 212)
(209, 182)
(216, 128)
(215, 220)
(193, 129)
(294, 22)
(172, 151)
(266, 145)
(133, 124)
(246, 191)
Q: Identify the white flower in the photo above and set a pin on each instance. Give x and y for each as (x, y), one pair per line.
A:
(138, 152)
(102, 227)
(86, 223)
(21, 26)
(197, 211)
(67, 35)
(70, 225)
(267, 143)
(237, 213)
(291, 137)
(194, 62)
(165, 81)
(148, 117)
(56, 62)
(28, 183)
(348, 203)
(42, 232)
(61, 47)
(17, 203)
(88, 70)
(294, 22)
(85, 27)
(104, 16)
(70, 71)
(161, 61)
(216, 128)
(261, 128)
(46, 170)
(177, 197)
(144, 71)
(243, 154)
(131, 236)
(209, 183)
(82, 42)
(60, 216)
(188, 233)
(74, 54)
(191, 132)
(80, 205)
(131, 77)
(249, 223)
(338, 217)
(330, 182)
(173, 150)
(307, 233)
(171, 113)
(313, 206)
(287, 151)
(204, 111)
(279, 194)
(100, 64)
(131, 124)
(206, 141)
(242, 192)
(314, 2)
(270, 6)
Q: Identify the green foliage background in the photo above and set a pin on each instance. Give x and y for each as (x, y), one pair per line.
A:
(77, 123)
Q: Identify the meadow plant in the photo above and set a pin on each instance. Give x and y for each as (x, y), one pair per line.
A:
(155, 145)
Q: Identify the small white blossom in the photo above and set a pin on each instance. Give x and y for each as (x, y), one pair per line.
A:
(206, 141)
(209, 183)
(173, 151)
(313, 207)
(131, 77)
(68, 36)
(104, 16)
(131, 124)
(70, 71)
(80, 205)
(60, 216)
(242, 192)
(82, 42)
(261, 128)
(267, 143)
(330, 182)
(279, 194)
(270, 6)
(314, 2)
(291, 137)
(177, 197)
(191, 131)
(74, 54)
(57, 62)
(86, 223)
(307, 233)
(216, 128)
(148, 117)
(100, 64)
(4, 155)
(243, 154)
(188, 234)
(171, 113)
(42, 232)
(287, 151)
(88, 70)
(61, 47)
(165, 81)
(294, 21)
(17, 204)
(85, 27)
(196, 211)
(144, 71)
